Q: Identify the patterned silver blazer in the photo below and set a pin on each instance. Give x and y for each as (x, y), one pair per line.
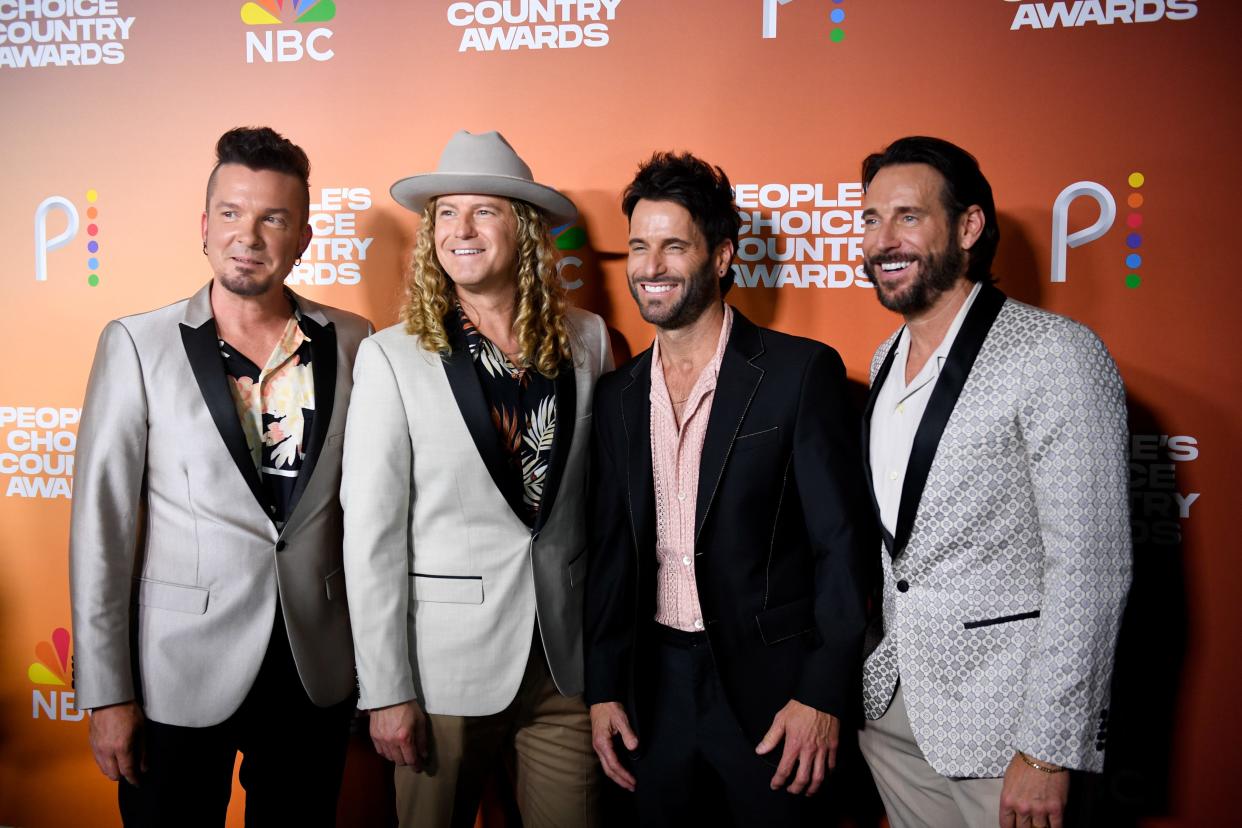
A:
(1005, 579)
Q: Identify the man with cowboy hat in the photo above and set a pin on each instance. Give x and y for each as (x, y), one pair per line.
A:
(464, 485)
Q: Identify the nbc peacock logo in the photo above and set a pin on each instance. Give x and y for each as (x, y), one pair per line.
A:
(272, 45)
(569, 238)
(50, 672)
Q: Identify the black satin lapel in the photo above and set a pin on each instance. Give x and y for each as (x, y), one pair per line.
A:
(636, 419)
(464, 382)
(735, 388)
(202, 348)
(323, 367)
(940, 406)
(566, 415)
(876, 385)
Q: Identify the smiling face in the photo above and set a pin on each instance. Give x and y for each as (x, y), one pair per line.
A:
(672, 274)
(254, 228)
(476, 241)
(911, 250)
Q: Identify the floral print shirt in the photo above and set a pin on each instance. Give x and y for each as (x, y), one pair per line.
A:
(276, 406)
(522, 403)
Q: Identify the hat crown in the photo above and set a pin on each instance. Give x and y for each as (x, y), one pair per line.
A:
(484, 154)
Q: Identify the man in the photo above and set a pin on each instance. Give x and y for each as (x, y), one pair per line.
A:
(724, 614)
(996, 437)
(205, 548)
(465, 469)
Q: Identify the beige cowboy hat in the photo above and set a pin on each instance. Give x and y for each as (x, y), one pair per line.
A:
(485, 165)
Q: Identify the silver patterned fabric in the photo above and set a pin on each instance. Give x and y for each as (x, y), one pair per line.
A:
(1001, 612)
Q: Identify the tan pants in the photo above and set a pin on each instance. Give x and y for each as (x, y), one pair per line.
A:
(546, 735)
(915, 795)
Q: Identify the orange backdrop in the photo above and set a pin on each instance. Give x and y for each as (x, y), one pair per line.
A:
(111, 109)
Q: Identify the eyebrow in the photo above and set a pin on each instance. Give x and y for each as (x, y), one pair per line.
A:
(664, 242)
(228, 205)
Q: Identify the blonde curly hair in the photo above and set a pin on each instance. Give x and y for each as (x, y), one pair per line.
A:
(542, 332)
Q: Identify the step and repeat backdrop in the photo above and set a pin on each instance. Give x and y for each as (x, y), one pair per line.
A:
(1105, 127)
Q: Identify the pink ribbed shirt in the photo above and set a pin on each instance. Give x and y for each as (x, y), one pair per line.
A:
(675, 455)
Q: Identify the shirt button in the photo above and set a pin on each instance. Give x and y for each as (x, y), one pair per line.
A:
(903, 585)
(685, 559)
(901, 409)
(280, 546)
(698, 623)
(892, 475)
(681, 495)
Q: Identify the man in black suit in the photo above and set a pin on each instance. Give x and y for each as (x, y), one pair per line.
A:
(723, 611)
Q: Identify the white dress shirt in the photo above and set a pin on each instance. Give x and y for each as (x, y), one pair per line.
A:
(897, 413)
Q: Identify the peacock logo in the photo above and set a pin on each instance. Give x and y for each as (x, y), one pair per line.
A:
(569, 238)
(268, 12)
(50, 672)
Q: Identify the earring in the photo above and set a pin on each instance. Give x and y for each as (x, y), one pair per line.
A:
(204, 247)
(297, 261)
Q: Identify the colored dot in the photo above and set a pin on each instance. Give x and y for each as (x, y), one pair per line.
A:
(92, 246)
(1134, 220)
(92, 263)
(1133, 241)
(92, 280)
(1134, 261)
(837, 15)
(1136, 180)
(91, 212)
(91, 229)
(837, 35)
(92, 196)
(1135, 200)
(1133, 280)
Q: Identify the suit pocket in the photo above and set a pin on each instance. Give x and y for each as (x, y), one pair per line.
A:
(577, 569)
(334, 584)
(745, 442)
(786, 621)
(169, 596)
(1001, 619)
(447, 589)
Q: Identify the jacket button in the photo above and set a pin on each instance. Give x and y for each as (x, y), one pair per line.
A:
(903, 586)
(280, 547)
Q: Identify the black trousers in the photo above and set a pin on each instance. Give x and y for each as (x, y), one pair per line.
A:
(293, 757)
(694, 761)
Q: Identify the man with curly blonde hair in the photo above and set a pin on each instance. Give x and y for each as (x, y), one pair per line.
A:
(464, 484)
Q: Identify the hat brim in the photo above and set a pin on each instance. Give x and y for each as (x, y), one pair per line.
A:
(413, 192)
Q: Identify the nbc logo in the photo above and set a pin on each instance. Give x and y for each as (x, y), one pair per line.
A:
(52, 697)
(272, 45)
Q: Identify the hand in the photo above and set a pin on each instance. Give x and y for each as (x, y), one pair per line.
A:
(607, 720)
(116, 741)
(810, 740)
(399, 733)
(1031, 798)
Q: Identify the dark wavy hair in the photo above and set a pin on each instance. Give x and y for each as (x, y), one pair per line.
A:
(699, 187)
(964, 185)
(262, 148)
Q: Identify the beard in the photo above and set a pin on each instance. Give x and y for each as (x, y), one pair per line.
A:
(245, 284)
(938, 272)
(697, 296)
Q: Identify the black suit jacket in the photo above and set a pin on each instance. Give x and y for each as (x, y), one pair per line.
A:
(782, 533)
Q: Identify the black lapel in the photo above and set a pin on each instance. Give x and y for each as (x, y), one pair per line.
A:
(566, 414)
(940, 405)
(735, 388)
(323, 367)
(636, 420)
(464, 382)
(202, 347)
(876, 385)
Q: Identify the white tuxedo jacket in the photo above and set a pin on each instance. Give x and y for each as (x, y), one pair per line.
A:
(171, 549)
(445, 581)
(1005, 578)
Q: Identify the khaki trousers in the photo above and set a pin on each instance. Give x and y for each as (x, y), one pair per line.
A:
(915, 795)
(544, 738)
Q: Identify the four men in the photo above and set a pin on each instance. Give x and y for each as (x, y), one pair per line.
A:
(705, 532)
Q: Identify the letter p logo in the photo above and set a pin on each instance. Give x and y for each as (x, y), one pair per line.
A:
(42, 243)
(1062, 239)
(769, 17)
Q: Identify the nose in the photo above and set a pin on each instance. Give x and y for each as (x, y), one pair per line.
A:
(651, 265)
(250, 236)
(464, 228)
(886, 236)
